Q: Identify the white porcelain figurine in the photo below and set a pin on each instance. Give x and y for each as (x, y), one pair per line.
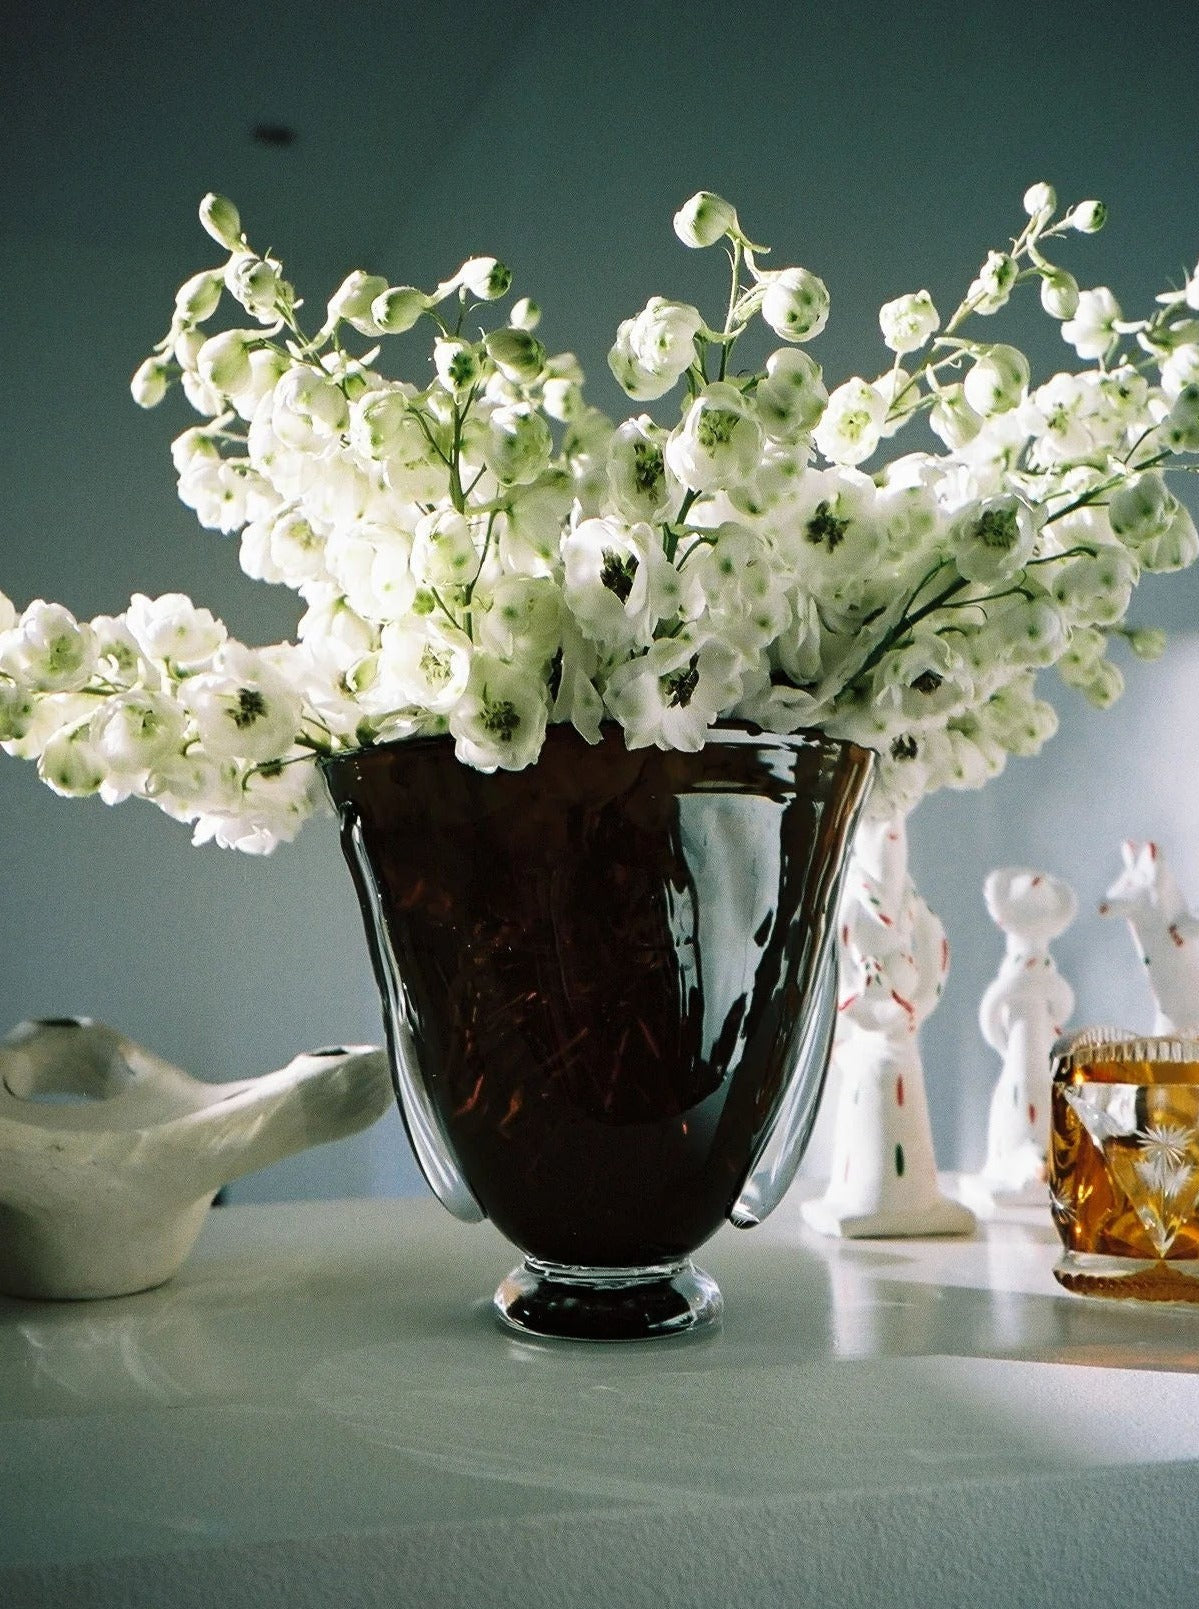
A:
(1164, 931)
(1022, 1012)
(894, 961)
(110, 1157)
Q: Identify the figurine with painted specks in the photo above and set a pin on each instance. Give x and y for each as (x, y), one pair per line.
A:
(1165, 932)
(894, 961)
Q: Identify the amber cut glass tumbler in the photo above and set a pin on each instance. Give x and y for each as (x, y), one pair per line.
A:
(608, 986)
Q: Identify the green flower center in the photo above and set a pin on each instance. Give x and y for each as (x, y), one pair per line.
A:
(680, 688)
(618, 572)
(500, 718)
(998, 529)
(824, 529)
(251, 707)
(647, 467)
(715, 427)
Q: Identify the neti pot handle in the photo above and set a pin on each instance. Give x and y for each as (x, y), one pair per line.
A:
(770, 1177)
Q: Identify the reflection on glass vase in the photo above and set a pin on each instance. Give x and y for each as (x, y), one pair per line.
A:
(609, 983)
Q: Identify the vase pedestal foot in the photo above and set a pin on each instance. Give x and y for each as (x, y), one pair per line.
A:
(608, 1304)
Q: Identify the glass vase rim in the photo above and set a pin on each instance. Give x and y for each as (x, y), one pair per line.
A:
(729, 733)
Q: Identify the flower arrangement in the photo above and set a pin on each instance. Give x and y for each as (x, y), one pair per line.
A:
(480, 552)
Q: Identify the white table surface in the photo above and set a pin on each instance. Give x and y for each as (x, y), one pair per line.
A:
(320, 1410)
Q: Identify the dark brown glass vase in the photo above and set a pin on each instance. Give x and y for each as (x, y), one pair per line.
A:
(609, 986)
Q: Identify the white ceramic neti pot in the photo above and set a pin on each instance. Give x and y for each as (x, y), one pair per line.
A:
(110, 1157)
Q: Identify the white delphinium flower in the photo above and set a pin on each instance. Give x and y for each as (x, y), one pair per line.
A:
(852, 425)
(1180, 368)
(791, 396)
(69, 763)
(643, 487)
(150, 381)
(719, 441)
(522, 620)
(1023, 631)
(499, 722)
(1142, 509)
(443, 549)
(617, 581)
(585, 453)
(17, 708)
(577, 700)
(242, 707)
(908, 321)
(1092, 330)
(775, 477)
(671, 695)
(258, 284)
(518, 446)
(743, 595)
(994, 285)
(831, 535)
(308, 409)
(47, 650)
(1095, 590)
(529, 530)
(562, 388)
(1176, 548)
(901, 399)
(225, 493)
(131, 733)
(997, 380)
(952, 419)
(992, 539)
(652, 350)
(795, 303)
(197, 299)
(424, 662)
(372, 566)
(171, 630)
(266, 369)
(924, 682)
(704, 219)
(1181, 427)
(294, 547)
(274, 803)
(1067, 416)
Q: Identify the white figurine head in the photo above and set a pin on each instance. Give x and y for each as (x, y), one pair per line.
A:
(1146, 884)
(1030, 905)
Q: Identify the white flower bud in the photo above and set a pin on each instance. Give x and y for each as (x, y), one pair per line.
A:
(653, 349)
(70, 765)
(852, 425)
(1059, 293)
(136, 730)
(526, 315)
(484, 277)
(353, 299)
(443, 549)
(457, 364)
(518, 445)
(519, 356)
(150, 381)
(1142, 509)
(795, 304)
(224, 362)
(1182, 422)
(1147, 642)
(996, 278)
(221, 220)
(908, 321)
(997, 381)
(197, 298)
(258, 284)
(704, 220)
(397, 309)
(952, 419)
(170, 628)
(792, 396)
(1088, 217)
(1105, 686)
(1040, 200)
(17, 706)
